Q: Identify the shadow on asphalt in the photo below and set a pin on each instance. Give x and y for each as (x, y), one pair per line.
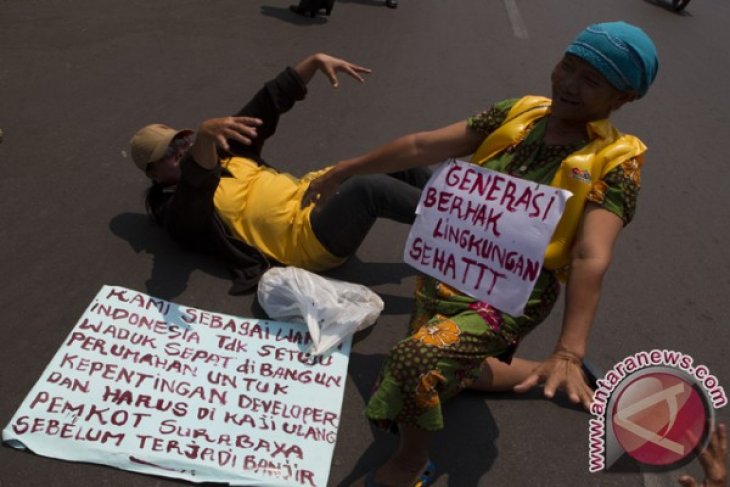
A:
(172, 265)
(464, 451)
(372, 273)
(372, 3)
(286, 15)
(377, 273)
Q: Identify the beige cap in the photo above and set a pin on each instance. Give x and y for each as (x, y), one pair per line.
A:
(150, 143)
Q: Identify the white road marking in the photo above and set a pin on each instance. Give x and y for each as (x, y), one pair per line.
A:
(515, 18)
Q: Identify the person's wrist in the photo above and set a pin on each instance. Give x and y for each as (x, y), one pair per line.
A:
(567, 354)
(340, 172)
(574, 346)
(318, 60)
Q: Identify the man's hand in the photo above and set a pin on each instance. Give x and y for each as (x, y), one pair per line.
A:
(713, 460)
(562, 371)
(330, 66)
(218, 130)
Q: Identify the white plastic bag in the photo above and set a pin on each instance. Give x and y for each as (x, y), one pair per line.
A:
(331, 309)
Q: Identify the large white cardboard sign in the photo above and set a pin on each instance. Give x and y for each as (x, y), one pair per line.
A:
(484, 232)
(146, 385)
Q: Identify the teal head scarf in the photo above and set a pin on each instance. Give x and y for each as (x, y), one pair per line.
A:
(623, 53)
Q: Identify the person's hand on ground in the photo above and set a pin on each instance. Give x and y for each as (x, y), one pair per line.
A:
(562, 371)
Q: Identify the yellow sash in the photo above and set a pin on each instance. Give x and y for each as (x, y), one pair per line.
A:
(577, 173)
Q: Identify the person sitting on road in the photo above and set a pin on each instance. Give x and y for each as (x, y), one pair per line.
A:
(540, 140)
(213, 191)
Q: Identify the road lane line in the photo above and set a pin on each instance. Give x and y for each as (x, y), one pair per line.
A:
(515, 18)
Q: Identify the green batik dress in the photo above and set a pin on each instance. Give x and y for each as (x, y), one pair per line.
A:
(451, 334)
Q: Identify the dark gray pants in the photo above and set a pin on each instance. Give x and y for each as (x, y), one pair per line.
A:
(343, 222)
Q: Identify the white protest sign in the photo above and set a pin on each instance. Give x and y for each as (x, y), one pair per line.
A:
(484, 233)
(146, 385)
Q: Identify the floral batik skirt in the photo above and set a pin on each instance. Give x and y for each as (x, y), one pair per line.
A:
(450, 336)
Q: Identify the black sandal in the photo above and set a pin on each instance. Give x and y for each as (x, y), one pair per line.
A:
(298, 9)
(311, 8)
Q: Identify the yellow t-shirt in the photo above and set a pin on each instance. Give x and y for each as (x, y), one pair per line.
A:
(262, 208)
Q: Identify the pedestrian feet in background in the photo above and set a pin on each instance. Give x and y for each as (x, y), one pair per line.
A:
(312, 8)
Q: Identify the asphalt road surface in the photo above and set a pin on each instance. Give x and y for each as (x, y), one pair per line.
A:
(78, 77)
